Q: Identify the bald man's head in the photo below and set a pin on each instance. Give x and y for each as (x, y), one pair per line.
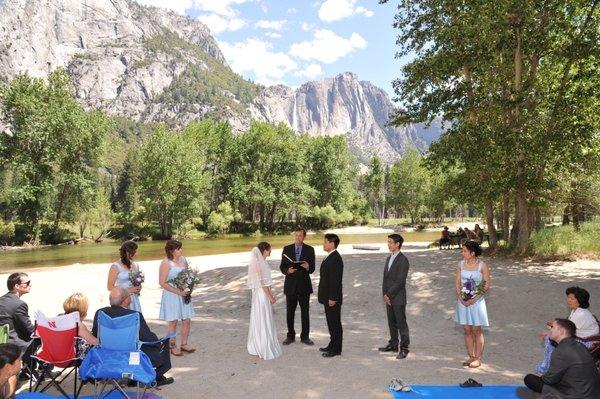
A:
(118, 296)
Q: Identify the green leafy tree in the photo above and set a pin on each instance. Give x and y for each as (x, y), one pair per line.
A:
(375, 188)
(171, 179)
(409, 184)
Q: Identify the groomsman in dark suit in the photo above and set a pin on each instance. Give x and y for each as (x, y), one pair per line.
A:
(297, 286)
(330, 294)
(395, 272)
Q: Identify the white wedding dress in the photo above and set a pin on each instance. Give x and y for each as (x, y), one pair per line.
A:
(262, 335)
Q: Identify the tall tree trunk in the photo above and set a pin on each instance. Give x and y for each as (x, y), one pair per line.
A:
(506, 218)
(524, 218)
(575, 215)
(489, 217)
(59, 210)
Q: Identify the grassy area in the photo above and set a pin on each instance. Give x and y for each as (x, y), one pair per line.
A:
(564, 240)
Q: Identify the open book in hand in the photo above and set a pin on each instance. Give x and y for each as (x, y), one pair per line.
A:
(294, 263)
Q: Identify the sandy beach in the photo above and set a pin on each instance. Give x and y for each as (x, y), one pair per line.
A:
(524, 295)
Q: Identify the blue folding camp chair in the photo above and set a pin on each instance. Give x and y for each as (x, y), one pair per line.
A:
(118, 357)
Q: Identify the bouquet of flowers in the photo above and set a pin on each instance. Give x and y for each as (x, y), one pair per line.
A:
(470, 289)
(137, 278)
(186, 281)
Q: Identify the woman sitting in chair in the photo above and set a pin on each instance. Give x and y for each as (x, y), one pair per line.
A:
(78, 302)
(578, 300)
(10, 366)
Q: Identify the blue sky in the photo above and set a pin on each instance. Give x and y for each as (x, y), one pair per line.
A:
(294, 41)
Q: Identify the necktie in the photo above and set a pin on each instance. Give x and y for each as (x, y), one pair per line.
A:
(298, 250)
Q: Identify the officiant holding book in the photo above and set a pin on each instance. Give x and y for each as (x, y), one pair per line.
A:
(297, 264)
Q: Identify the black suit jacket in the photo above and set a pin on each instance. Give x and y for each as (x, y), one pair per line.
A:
(15, 313)
(117, 311)
(298, 282)
(394, 280)
(572, 372)
(330, 286)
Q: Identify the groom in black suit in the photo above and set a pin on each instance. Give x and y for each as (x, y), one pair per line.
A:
(395, 272)
(330, 294)
(297, 286)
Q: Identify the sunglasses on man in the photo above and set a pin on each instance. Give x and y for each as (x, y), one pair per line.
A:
(26, 283)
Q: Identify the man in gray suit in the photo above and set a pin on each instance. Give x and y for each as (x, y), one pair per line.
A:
(395, 272)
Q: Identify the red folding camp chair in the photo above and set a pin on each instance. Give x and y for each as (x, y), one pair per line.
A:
(59, 336)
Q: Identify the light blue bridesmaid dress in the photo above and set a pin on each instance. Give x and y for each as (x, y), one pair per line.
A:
(476, 314)
(123, 281)
(172, 306)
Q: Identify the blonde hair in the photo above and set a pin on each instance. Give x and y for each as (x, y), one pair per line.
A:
(77, 302)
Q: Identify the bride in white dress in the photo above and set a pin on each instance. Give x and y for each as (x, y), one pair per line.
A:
(262, 335)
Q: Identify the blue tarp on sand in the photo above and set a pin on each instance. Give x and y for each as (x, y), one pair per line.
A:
(456, 392)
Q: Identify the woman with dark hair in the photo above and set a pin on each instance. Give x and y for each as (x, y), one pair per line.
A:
(578, 300)
(172, 306)
(119, 274)
(10, 366)
(262, 335)
(471, 313)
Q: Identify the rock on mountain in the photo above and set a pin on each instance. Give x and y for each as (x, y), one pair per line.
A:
(151, 65)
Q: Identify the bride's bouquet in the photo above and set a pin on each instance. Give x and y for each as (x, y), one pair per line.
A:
(186, 281)
(470, 289)
(137, 278)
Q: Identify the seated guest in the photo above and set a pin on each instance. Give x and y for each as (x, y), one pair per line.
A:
(159, 354)
(445, 240)
(479, 233)
(578, 300)
(572, 373)
(15, 313)
(78, 302)
(10, 365)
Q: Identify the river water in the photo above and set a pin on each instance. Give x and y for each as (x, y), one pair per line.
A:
(109, 251)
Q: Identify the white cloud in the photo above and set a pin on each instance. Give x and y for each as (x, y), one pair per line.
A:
(257, 56)
(218, 24)
(334, 10)
(220, 7)
(291, 11)
(274, 35)
(310, 72)
(307, 27)
(273, 25)
(327, 47)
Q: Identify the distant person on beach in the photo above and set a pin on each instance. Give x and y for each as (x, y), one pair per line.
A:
(173, 307)
(572, 373)
(262, 334)
(297, 286)
(473, 275)
(395, 273)
(330, 294)
(478, 233)
(445, 239)
(119, 273)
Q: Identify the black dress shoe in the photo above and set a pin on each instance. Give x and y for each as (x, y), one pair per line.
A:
(325, 349)
(289, 340)
(330, 354)
(162, 380)
(307, 341)
(402, 354)
(388, 348)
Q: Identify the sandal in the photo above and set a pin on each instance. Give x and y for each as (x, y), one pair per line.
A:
(475, 363)
(470, 383)
(184, 348)
(398, 386)
(468, 361)
(174, 350)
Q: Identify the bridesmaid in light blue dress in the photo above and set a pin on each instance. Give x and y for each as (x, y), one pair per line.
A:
(118, 275)
(472, 313)
(172, 306)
